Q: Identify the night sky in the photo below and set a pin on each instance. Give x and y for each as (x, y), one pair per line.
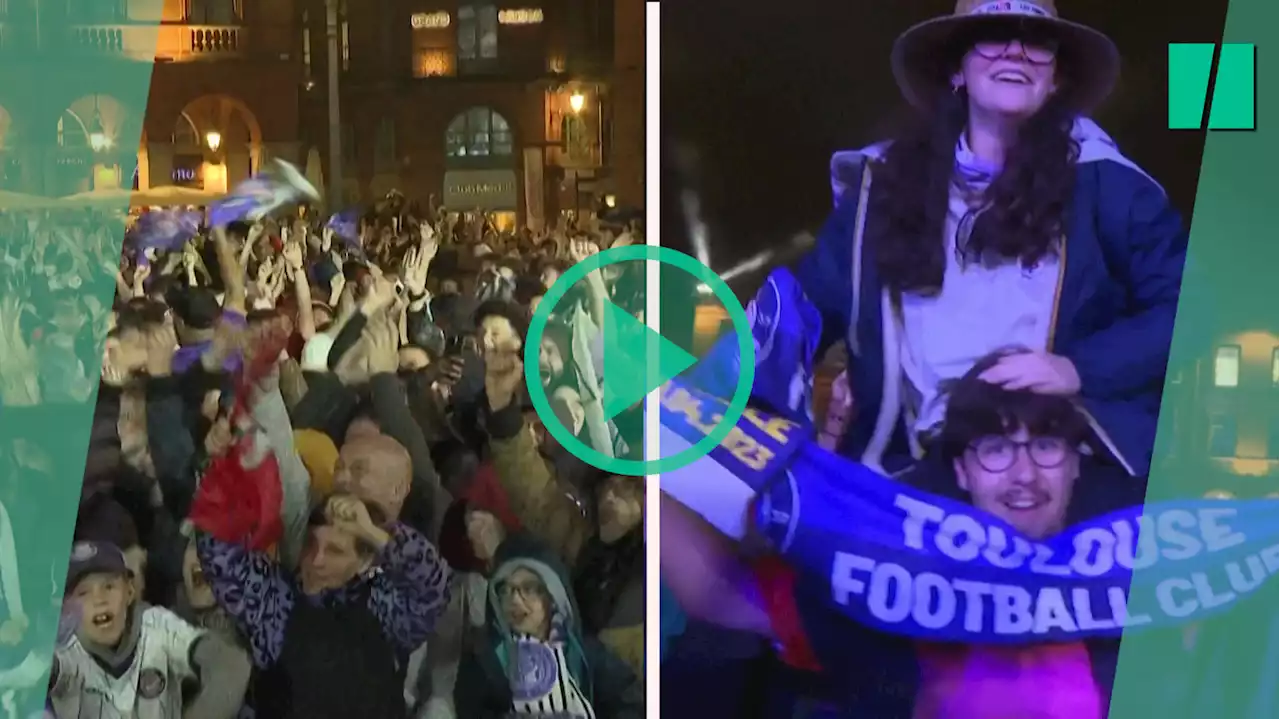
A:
(768, 90)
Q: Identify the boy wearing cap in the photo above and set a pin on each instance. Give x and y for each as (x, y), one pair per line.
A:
(128, 659)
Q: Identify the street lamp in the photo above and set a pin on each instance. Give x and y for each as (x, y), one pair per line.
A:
(98, 139)
(577, 101)
(213, 139)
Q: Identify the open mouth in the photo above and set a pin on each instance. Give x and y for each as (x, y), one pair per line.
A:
(103, 619)
(1024, 502)
(1012, 77)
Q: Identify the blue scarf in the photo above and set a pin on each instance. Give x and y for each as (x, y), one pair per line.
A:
(916, 564)
(912, 563)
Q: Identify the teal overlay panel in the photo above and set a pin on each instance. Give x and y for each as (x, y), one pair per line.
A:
(1218, 423)
(1232, 98)
(73, 94)
(1190, 65)
(1234, 89)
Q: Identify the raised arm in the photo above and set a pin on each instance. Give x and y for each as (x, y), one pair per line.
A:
(410, 588)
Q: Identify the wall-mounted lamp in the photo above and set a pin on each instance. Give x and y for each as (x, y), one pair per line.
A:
(213, 139)
(577, 101)
(98, 139)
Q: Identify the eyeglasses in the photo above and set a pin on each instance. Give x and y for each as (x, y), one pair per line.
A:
(998, 454)
(525, 590)
(1036, 52)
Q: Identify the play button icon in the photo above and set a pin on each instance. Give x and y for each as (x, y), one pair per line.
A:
(633, 361)
(637, 360)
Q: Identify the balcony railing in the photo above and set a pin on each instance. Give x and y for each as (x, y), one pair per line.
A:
(208, 41)
(107, 39)
(172, 43)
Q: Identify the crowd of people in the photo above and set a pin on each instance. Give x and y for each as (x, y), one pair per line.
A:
(314, 483)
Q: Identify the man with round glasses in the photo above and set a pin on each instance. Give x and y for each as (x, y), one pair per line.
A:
(1017, 455)
(1023, 456)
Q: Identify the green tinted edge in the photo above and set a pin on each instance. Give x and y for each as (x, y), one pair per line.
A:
(38, 81)
(1225, 668)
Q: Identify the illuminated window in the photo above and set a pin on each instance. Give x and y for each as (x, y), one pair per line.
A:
(344, 34)
(1226, 366)
(306, 42)
(346, 45)
(384, 146)
(477, 31)
(520, 16)
(478, 132)
(433, 45)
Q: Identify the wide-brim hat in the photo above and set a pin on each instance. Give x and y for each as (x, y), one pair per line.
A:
(921, 55)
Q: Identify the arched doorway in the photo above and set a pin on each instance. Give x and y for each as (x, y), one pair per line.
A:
(480, 165)
(96, 145)
(215, 143)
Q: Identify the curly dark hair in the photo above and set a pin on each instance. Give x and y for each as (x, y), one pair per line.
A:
(1026, 204)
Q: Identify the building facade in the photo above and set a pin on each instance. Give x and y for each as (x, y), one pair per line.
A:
(525, 110)
(148, 93)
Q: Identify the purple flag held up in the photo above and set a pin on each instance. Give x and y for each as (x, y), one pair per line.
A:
(165, 230)
(261, 195)
(346, 225)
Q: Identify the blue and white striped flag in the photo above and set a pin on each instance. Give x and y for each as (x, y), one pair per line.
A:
(263, 194)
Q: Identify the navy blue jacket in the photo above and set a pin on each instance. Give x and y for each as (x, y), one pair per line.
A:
(1117, 297)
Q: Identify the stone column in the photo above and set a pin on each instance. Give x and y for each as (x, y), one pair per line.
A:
(159, 164)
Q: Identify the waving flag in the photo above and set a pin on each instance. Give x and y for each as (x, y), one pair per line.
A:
(785, 329)
(165, 229)
(261, 195)
(345, 225)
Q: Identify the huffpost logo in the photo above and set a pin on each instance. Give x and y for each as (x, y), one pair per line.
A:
(1194, 85)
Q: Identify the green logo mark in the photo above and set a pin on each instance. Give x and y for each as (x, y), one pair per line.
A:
(1230, 95)
(638, 360)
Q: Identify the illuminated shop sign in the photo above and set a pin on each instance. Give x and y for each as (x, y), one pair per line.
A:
(520, 16)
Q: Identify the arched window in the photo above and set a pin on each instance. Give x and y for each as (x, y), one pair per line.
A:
(71, 131)
(478, 132)
(184, 132)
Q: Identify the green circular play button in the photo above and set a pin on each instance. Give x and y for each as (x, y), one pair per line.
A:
(638, 360)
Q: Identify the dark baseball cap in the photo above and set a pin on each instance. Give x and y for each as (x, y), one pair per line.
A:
(95, 558)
